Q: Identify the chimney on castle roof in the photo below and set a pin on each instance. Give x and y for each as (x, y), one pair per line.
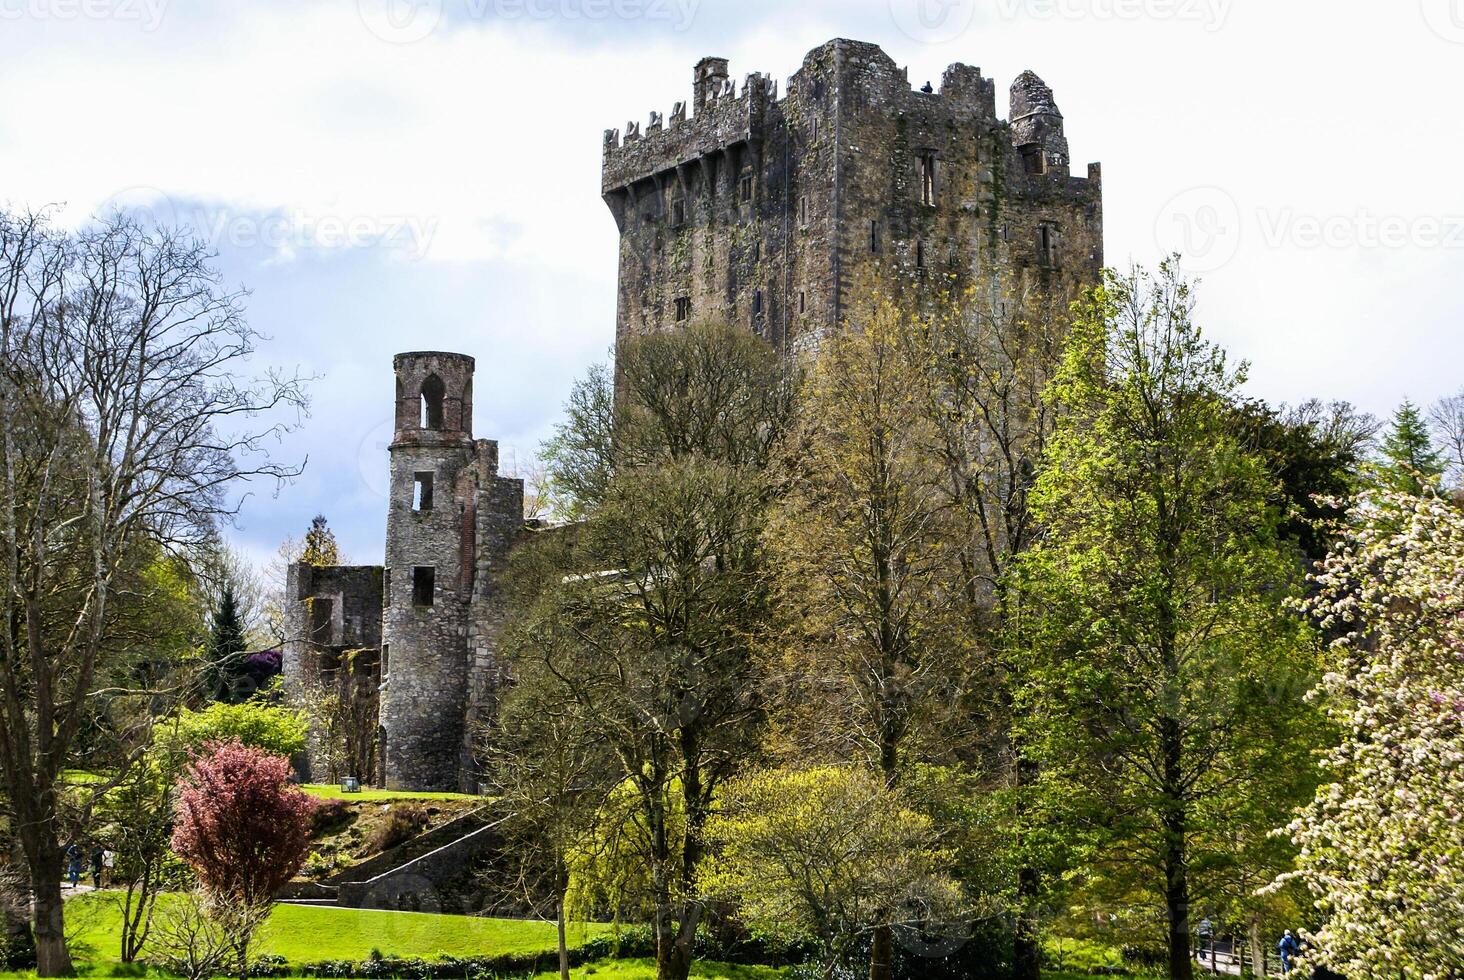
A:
(707, 79)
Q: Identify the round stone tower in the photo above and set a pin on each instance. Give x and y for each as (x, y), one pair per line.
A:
(428, 581)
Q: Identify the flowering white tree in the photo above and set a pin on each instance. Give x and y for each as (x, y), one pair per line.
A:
(1382, 844)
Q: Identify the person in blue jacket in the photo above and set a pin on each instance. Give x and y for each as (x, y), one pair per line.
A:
(1289, 948)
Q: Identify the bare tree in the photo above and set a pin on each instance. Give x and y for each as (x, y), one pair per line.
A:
(200, 935)
(1446, 416)
(126, 420)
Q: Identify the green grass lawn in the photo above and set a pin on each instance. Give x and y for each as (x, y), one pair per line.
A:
(305, 934)
(331, 791)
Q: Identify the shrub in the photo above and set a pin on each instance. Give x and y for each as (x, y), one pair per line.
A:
(403, 822)
(241, 827)
(329, 815)
(277, 731)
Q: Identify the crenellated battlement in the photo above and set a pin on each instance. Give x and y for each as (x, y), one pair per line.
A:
(727, 114)
(764, 207)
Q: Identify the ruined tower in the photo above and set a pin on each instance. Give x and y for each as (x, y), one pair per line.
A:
(769, 211)
(450, 522)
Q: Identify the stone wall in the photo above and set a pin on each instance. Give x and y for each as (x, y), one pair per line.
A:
(769, 211)
(332, 622)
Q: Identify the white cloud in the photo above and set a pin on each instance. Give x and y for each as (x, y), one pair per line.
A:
(464, 168)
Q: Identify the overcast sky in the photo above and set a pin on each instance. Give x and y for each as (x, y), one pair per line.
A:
(389, 175)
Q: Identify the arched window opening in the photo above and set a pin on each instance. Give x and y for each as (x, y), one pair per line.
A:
(432, 392)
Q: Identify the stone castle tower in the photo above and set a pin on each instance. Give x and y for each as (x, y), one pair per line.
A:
(450, 523)
(429, 617)
(768, 211)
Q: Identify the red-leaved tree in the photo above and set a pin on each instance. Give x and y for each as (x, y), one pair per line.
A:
(244, 830)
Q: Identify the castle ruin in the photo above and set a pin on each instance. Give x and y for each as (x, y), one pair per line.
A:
(742, 205)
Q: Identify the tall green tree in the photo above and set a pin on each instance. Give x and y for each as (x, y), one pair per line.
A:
(1164, 679)
(226, 646)
(648, 617)
(1408, 462)
(868, 564)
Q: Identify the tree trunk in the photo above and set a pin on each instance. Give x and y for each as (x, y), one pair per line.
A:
(882, 954)
(1257, 951)
(1026, 946)
(1176, 871)
(563, 947)
(52, 957)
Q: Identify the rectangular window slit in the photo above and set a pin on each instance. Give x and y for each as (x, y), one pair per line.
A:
(683, 308)
(422, 491)
(423, 585)
(927, 178)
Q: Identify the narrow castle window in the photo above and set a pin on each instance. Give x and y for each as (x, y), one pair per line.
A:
(1047, 244)
(422, 492)
(423, 585)
(874, 237)
(927, 178)
(678, 212)
(1032, 158)
(745, 188)
(757, 302)
(801, 301)
(683, 308)
(920, 257)
(385, 660)
(803, 210)
(432, 395)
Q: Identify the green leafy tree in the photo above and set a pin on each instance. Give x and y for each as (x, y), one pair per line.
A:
(649, 617)
(829, 854)
(867, 562)
(1164, 683)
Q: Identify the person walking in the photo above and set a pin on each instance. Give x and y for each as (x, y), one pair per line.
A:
(109, 861)
(73, 864)
(1288, 947)
(96, 868)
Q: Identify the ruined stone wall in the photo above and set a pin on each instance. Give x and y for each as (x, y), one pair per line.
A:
(768, 211)
(332, 622)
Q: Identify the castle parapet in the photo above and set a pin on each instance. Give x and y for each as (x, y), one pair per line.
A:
(722, 117)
